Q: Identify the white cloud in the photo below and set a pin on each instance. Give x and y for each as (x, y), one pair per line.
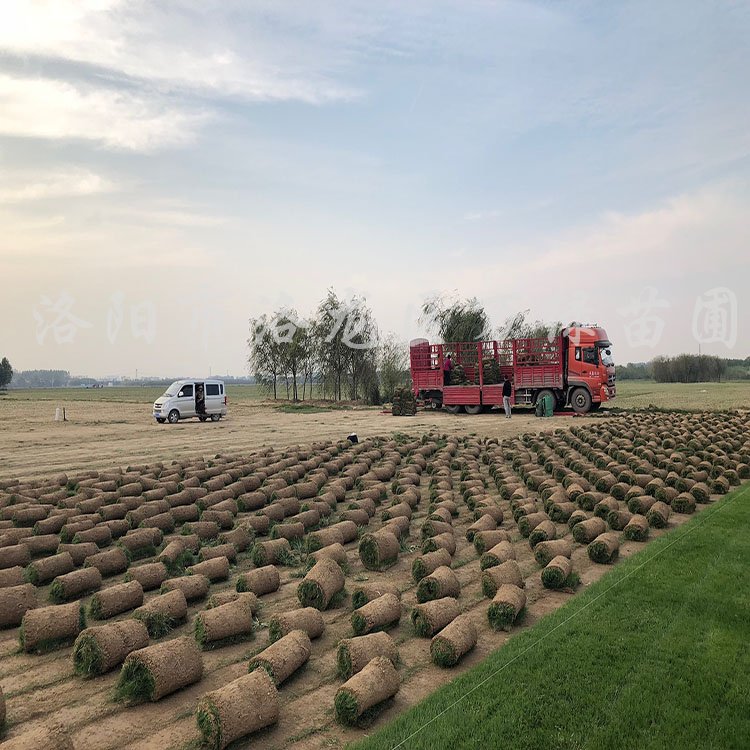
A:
(55, 109)
(18, 187)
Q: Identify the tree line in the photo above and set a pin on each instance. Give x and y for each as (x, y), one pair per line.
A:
(686, 368)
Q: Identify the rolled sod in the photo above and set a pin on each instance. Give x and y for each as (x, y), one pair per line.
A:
(493, 578)
(424, 565)
(701, 492)
(74, 585)
(241, 537)
(398, 526)
(215, 569)
(152, 672)
(484, 540)
(431, 617)
(100, 535)
(353, 654)
(379, 550)
(641, 504)
(163, 613)
(288, 531)
(150, 575)
(684, 502)
(193, 587)
(544, 532)
(545, 551)
(348, 529)
(307, 619)
(45, 737)
(239, 708)
(271, 552)
(399, 509)
(15, 601)
(322, 582)
(440, 541)
(335, 552)
(43, 571)
(42, 544)
(586, 531)
(375, 683)
(284, 657)
(605, 548)
(110, 563)
(505, 607)
(604, 507)
(637, 529)
(101, 648)
(228, 623)
(377, 614)
(658, 514)
(220, 550)
(576, 517)
(11, 577)
(48, 628)
(526, 524)
(323, 537)
(556, 573)
(79, 552)
(500, 553)
(561, 511)
(140, 543)
(433, 528)
(259, 581)
(367, 592)
(453, 641)
(115, 600)
(440, 583)
(618, 519)
(488, 509)
(224, 597)
(485, 523)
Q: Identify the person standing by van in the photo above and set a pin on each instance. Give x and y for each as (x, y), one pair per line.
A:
(507, 390)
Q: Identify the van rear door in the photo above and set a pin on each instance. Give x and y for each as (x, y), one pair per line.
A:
(214, 399)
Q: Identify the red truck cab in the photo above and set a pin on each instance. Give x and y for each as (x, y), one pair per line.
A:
(590, 377)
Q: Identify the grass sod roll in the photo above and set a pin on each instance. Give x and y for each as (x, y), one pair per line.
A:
(11, 576)
(493, 578)
(485, 523)
(321, 584)
(271, 552)
(112, 562)
(506, 606)
(288, 531)
(576, 517)
(641, 504)
(618, 519)
(283, 657)
(335, 552)
(605, 548)
(15, 601)
(424, 565)
(307, 619)
(221, 550)
(658, 515)
(46, 569)
(241, 537)
(430, 617)
(484, 540)
(377, 614)
(353, 654)
(228, 623)
(115, 600)
(323, 537)
(586, 531)
(150, 575)
(79, 552)
(163, 613)
(544, 532)
(260, 581)
(544, 552)
(440, 583)
(238, 709)
(74, 585)
(224, 597)
(684, 502)
(100, 649)
(637, 529)
(367, 592)
(454, 641)
(440, 541)
(557, 572)
(49, 628)
(379, 550)
(526, 524)
(375, 683)
(500, 553)
(155, 671)
(215, 569)
(398, 526)
(193, 586)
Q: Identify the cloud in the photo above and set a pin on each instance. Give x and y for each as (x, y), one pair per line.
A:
(36, 107)
(20, 188)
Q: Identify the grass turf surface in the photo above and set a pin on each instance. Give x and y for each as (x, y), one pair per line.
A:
(656, 654)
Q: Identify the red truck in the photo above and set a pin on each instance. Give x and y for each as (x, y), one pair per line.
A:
(575, 367)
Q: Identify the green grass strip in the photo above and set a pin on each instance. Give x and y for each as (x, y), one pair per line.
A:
(87, 656)
(209, 724)
(672, 614)
(136, 683)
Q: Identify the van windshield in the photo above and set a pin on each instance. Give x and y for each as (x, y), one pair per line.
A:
(173, 389)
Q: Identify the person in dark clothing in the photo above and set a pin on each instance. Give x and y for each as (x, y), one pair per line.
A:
(447, 369)
(507, 390)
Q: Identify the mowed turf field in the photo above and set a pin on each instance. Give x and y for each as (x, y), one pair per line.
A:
(656, 654)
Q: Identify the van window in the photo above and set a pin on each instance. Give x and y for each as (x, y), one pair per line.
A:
(187, 390)
(212, 389)
(221, 388)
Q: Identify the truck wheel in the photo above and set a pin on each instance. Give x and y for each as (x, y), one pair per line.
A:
(580, 400)
(173, 416)
(215, 417)
(473, 408)
(452, 408)
(546, 392)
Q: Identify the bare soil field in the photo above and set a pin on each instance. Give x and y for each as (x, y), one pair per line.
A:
(259, 464)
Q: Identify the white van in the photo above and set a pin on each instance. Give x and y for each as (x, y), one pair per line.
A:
(205, 399)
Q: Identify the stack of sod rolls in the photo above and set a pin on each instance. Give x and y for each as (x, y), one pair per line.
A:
(404, 404)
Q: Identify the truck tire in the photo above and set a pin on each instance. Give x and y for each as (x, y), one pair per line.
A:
(452, 408)
(580, 400)
(173, 416)
(546, 392)
(473, 408)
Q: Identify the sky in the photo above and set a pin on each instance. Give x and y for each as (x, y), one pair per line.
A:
(169, 170)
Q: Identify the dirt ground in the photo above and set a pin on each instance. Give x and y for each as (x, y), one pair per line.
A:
(99, 435)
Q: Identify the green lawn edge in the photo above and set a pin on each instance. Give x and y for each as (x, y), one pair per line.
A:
(655, 654)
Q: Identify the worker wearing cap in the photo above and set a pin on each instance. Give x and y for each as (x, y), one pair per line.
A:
(447, 368)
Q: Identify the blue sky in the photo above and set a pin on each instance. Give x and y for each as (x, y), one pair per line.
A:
(208, 162)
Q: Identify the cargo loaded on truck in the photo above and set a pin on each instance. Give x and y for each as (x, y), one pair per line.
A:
(575, 368)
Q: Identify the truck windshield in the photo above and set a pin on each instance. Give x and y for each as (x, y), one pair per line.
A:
(172, 390)
(607, 359)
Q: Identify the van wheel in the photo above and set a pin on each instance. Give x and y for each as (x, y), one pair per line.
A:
(215, 417)
(473, 408)
(173, 416)
(580, 400)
